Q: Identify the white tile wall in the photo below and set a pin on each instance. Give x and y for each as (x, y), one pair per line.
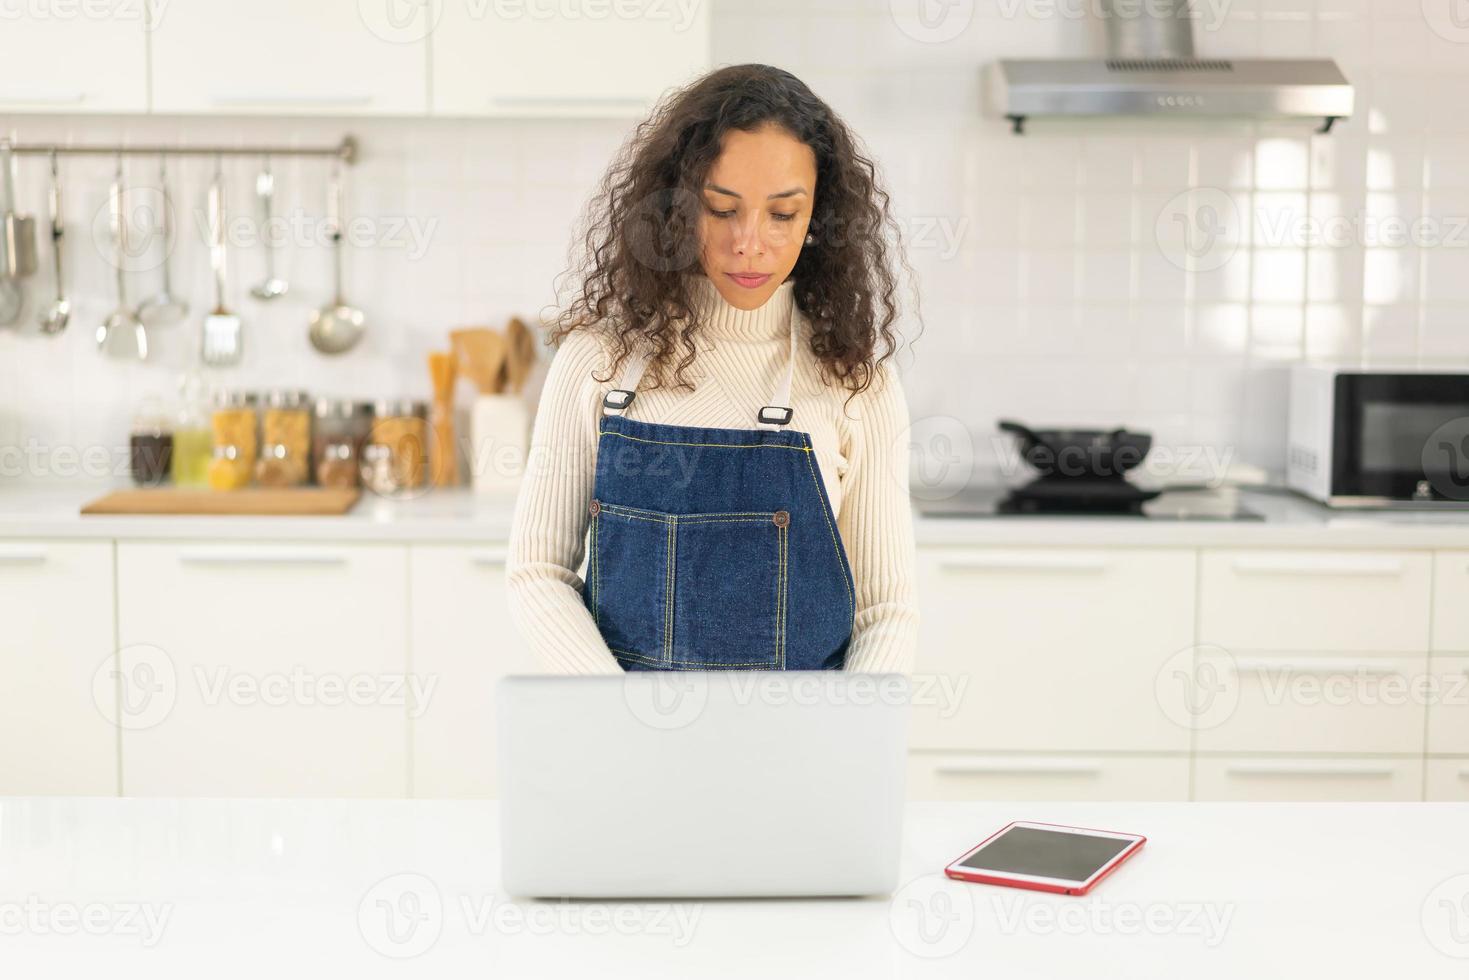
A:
(1049, 266)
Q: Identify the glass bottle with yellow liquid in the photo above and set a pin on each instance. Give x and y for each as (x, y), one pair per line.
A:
(193, 437)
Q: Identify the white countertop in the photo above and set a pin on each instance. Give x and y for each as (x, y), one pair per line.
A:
(209, 888)
(461, 516)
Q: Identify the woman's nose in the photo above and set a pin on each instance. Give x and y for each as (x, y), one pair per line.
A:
(748, 238)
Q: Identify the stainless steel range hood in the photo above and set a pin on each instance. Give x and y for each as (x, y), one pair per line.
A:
(1151, 70)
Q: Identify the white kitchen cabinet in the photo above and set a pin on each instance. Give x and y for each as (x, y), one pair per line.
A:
(1271, 599)
(263, 669)
(1050, 649)
(1447, 781)
(1308, 778)
(1451, 600)
(987, 776)
(57, 58)
(463, 642)
(327, 57)
(56, 657)
(542, 58)
(1448, 704)
(1319, 703)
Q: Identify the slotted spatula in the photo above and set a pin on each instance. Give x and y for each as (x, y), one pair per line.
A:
(222, 343)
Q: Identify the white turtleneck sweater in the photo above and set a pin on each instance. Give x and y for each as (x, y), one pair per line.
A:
(861, 448)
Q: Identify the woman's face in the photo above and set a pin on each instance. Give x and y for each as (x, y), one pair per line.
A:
(757, 206)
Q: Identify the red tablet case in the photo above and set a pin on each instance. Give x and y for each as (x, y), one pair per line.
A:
(996, 879)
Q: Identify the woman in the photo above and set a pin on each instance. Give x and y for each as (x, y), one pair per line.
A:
(760, 518)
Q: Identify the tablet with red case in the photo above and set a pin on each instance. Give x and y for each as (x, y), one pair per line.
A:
(1045, 857)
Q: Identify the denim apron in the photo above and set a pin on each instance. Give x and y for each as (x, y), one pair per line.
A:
(714, 549)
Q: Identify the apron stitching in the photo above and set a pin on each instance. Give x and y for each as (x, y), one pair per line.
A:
(780, 606)
(664, 516)
(596, 578)
(628, 654)
(762, 519)
(639, 658)
(637, 517)
(668, 600)
(712, 445)
(851, 599)
(745, 516)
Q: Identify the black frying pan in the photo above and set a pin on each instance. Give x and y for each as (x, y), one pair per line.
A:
(1091, 454)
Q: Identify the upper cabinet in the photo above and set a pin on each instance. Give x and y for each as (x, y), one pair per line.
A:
(285, 57)
(58, 63)
(545, 58)
(461, 58)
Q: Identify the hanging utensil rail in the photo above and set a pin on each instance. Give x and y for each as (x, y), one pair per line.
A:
(345, 151)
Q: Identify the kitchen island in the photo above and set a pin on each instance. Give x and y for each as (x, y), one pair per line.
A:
(165, 888)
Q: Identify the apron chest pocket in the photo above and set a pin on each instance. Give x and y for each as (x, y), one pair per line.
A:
(690, 591)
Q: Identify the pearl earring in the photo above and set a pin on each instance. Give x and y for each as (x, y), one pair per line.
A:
(810, 238)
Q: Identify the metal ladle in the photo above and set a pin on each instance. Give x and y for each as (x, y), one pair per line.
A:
(122, 334)
(55, 318)
(337, 327)
(14, 230)
(164, 309)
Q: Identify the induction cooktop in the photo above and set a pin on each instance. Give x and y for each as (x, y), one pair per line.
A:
(995, 500)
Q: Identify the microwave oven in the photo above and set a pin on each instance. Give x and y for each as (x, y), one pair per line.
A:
(1372, 437)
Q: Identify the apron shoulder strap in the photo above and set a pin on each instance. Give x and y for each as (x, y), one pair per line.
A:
(778, 413)
(616, 401)
(773, 416)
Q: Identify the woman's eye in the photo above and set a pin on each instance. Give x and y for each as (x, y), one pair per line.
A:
(721, 214)
(778, 216)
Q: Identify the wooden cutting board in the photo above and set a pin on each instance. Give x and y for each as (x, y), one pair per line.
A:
(247, 500)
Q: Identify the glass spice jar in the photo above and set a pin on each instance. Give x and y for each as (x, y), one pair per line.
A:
(234, 423)
(338, 435)
(236, 441)
(285, 440)
(401, 425)
(150, 444)
(378, 472)
(227, 471)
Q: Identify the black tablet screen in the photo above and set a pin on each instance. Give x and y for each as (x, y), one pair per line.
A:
(1047, 853)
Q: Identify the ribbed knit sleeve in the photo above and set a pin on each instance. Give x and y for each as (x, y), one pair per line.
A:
(548, 530)
(876, 524)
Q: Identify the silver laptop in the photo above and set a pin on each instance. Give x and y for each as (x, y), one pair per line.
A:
(702, 784)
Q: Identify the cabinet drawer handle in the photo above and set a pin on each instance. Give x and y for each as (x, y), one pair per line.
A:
(1025, 563)
(1316, 565)
(1047, 767)
(286, 99)
(1359, 769)
(262, 558)
(489, 556)
(570, 101)
(1318, 665)
(15, 555)
(44, 98)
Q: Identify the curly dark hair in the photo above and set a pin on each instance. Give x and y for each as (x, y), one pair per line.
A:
(640, 230)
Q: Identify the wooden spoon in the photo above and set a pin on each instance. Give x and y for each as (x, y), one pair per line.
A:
(522, 355)
(480, 353)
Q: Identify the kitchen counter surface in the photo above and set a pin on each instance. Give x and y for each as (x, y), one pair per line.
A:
(460, 516)
(187, 888)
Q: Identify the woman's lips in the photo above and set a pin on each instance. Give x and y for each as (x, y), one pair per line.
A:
(750, 280)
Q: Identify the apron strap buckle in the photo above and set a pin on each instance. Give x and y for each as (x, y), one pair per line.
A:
(617, 399)
(775, 415)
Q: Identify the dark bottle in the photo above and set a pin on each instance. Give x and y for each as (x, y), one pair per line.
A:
(150, 445)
